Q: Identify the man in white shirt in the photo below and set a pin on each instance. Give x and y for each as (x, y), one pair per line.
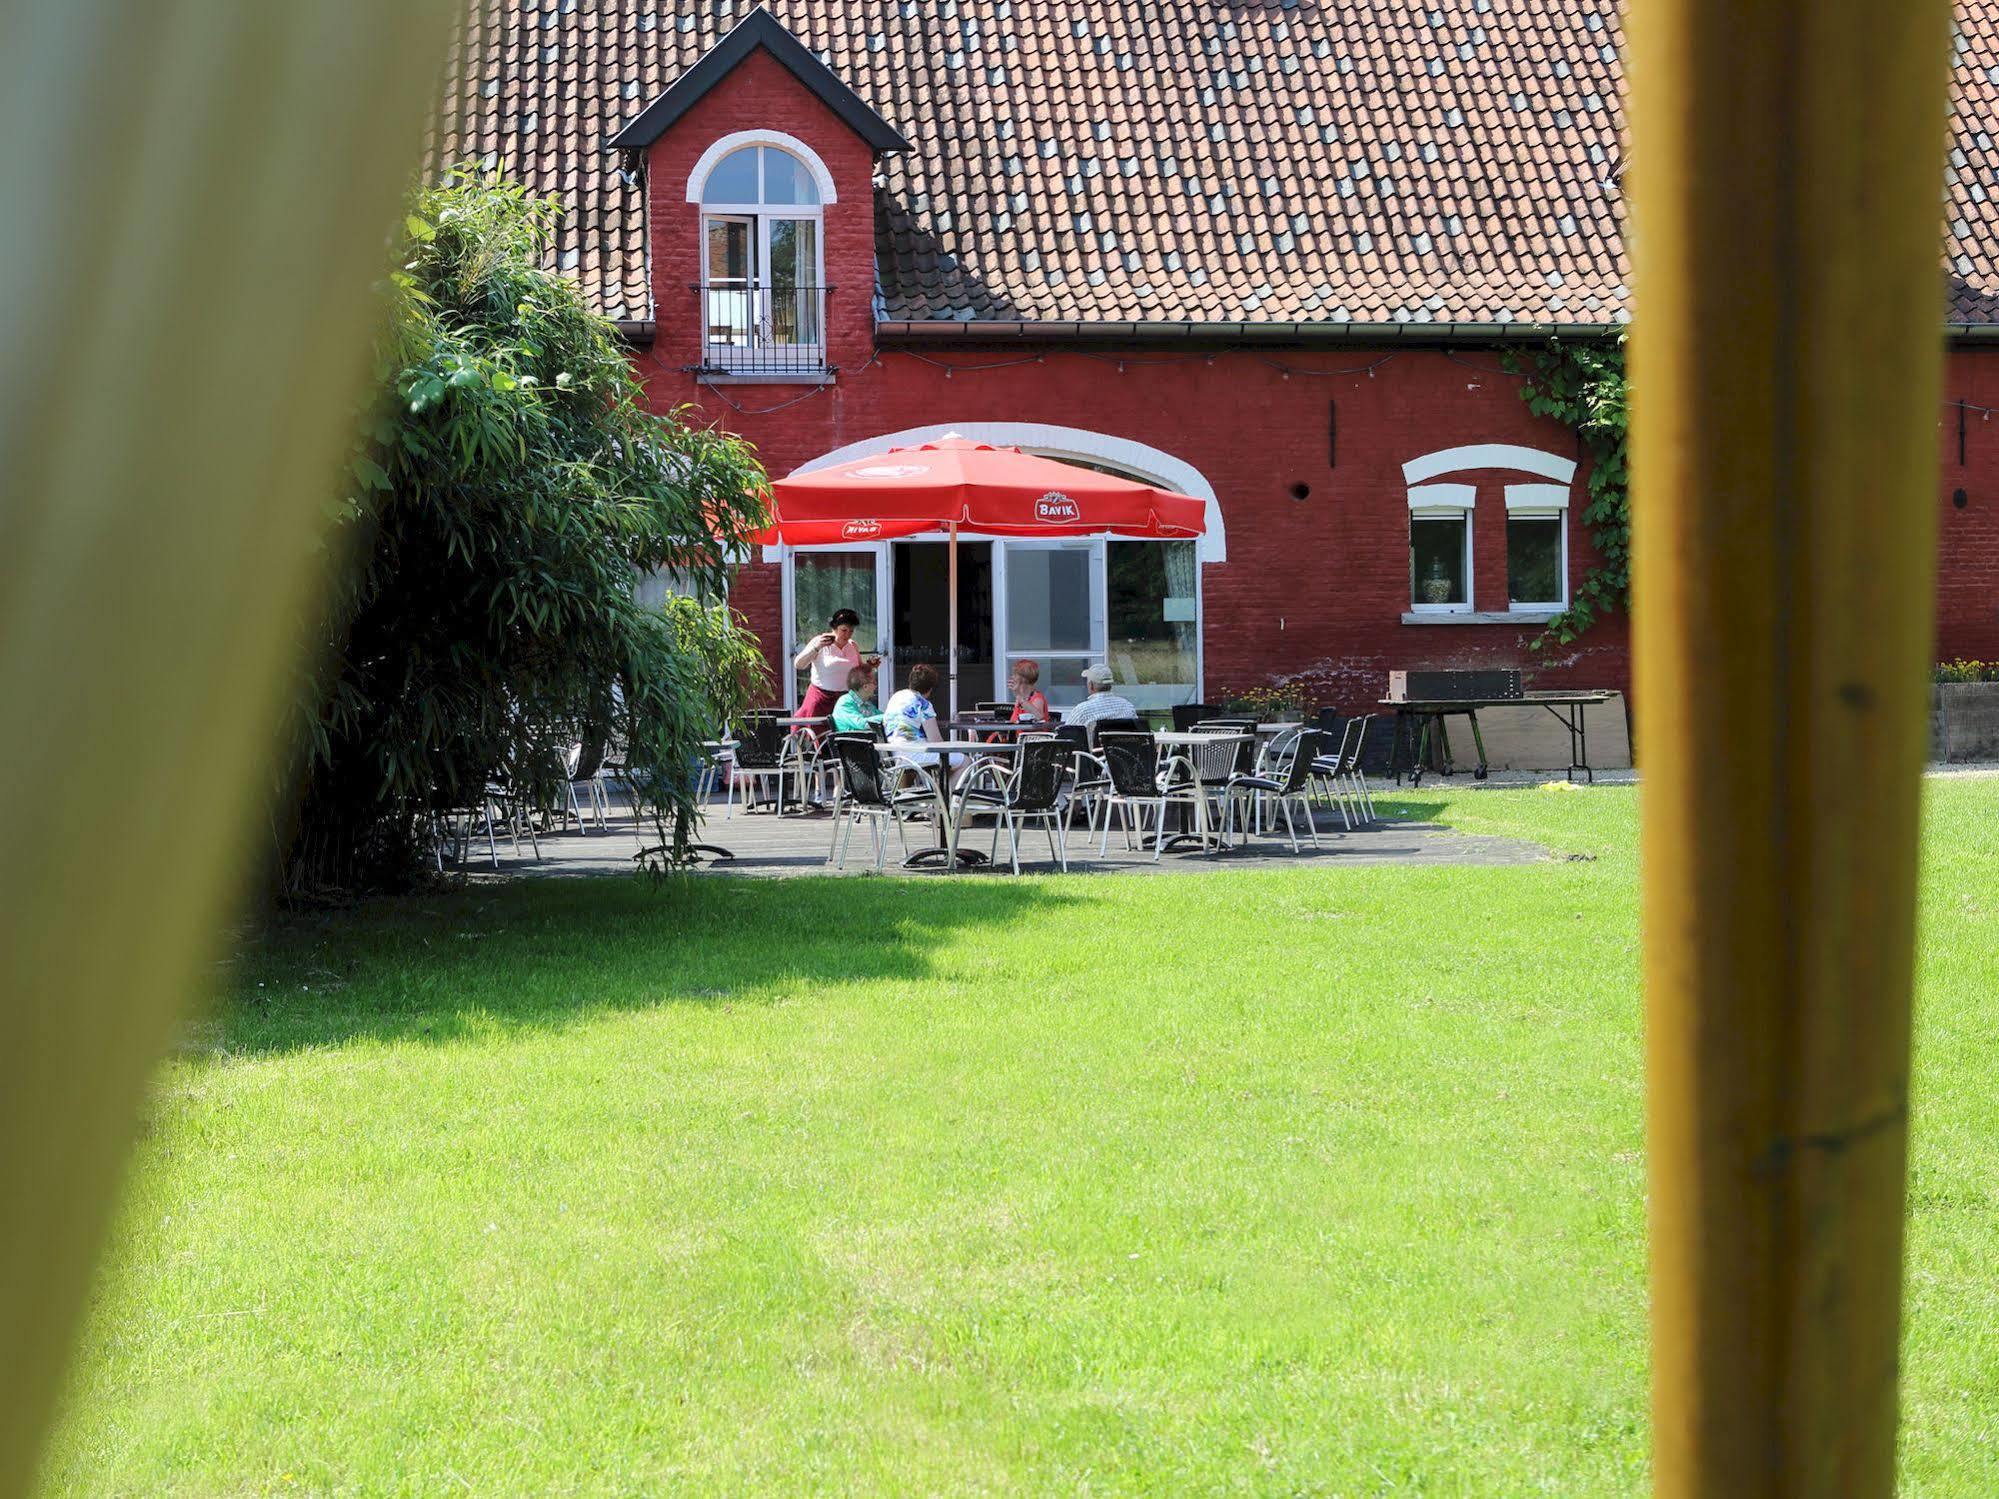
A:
(1102, 703)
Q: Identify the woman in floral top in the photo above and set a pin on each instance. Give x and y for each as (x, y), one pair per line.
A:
(910, 719)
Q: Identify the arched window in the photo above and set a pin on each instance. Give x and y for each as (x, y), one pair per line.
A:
(762, 291)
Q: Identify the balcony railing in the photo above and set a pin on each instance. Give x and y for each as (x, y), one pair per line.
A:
(762, 330)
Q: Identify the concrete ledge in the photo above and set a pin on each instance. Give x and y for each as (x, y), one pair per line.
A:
(1964, 721)
(1526, 737)
(1482, 617)
(823, 378)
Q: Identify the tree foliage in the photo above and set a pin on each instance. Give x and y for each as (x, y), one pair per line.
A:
(505, 493)
(1583, 385)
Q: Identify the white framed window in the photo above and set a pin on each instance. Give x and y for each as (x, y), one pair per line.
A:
(762, 295)
(820, 579)
(1537, 546)
(1440, 548)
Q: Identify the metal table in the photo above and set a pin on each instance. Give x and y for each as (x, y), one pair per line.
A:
(1194, 739)
(998, 726)
(1415, 720)
(946, 847)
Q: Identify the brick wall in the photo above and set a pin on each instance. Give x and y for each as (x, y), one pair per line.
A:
(1315, 587)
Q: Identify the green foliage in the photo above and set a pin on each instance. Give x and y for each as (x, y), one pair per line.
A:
(1583, 385)
(1967, 671)
(506, 491)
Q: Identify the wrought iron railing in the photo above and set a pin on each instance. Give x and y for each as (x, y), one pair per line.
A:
(762, 330)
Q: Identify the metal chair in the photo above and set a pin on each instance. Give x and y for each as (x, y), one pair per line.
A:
(1337, 775)
(1029, 792)
(1105, 726)
(865, 797)
(583, 765)
(718, 759)
(1139, 781)
(1187, 715)
(764, 753)
(1356, 774)
(1289, 788)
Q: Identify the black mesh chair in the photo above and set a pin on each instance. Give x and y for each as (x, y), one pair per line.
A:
(1138, 781)
(762, 755)
(1105, 726)
(1186, 715)
(1339, 772)
(1288, 786)
(864, 796)
(1030, 792)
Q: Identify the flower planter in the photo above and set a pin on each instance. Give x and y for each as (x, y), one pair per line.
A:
(1964, 721)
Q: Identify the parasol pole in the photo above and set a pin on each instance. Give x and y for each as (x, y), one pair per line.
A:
(951, 586)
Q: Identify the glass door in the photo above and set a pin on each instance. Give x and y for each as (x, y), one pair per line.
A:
(816, 583)
(920, 618)
(1053, 597)
(730, 313)
(1153, 590)
(791, 313)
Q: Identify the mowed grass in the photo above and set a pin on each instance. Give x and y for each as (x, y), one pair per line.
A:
(1315, 1181)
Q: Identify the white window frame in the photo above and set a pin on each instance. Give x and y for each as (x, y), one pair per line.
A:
(761, 215)
(788, 602)
(1540, 502)
(1428, 505)
(1099, 603)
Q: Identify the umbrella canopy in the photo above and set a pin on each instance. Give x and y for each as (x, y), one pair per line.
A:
(955, 484)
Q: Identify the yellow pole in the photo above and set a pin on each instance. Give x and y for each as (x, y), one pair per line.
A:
(197, 197)
(1786, 171)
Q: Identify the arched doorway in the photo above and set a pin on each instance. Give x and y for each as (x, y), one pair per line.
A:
(1134, 603)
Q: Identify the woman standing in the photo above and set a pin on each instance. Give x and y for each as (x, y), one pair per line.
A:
(829, 656)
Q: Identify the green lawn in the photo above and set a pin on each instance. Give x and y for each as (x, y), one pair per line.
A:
(1299, 1182)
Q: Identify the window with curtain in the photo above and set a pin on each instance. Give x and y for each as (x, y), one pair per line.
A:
(1154, 634)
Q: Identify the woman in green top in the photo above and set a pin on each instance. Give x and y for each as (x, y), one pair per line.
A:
(856, 709)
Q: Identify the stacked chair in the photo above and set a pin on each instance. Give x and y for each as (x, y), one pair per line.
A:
(1339, 778)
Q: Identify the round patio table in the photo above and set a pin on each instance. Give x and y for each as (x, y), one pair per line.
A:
(999, 726)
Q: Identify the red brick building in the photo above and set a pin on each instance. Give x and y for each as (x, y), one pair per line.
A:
(1268, 254)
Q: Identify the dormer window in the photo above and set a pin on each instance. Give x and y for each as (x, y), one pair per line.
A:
(762, 292)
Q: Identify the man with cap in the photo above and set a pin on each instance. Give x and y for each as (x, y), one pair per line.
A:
(1102, 703)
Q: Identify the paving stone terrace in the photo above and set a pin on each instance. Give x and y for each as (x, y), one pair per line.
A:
(765, 845)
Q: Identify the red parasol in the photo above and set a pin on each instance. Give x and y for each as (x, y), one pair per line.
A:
(954, 484)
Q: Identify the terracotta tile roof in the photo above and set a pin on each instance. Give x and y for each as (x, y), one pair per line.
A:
(1170, 161)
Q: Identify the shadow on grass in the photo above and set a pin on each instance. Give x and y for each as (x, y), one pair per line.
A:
(1409, 806)
(539, 954)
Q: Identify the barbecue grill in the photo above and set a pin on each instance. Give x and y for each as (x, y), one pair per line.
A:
(1422, 700)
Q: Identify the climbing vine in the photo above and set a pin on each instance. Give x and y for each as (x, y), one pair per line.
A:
(1582, 385)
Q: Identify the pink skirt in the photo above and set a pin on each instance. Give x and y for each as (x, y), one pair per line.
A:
(818, 702)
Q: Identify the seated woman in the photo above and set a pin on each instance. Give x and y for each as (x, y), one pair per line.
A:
(856, 709)
(911, 720)
(1029, 703)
